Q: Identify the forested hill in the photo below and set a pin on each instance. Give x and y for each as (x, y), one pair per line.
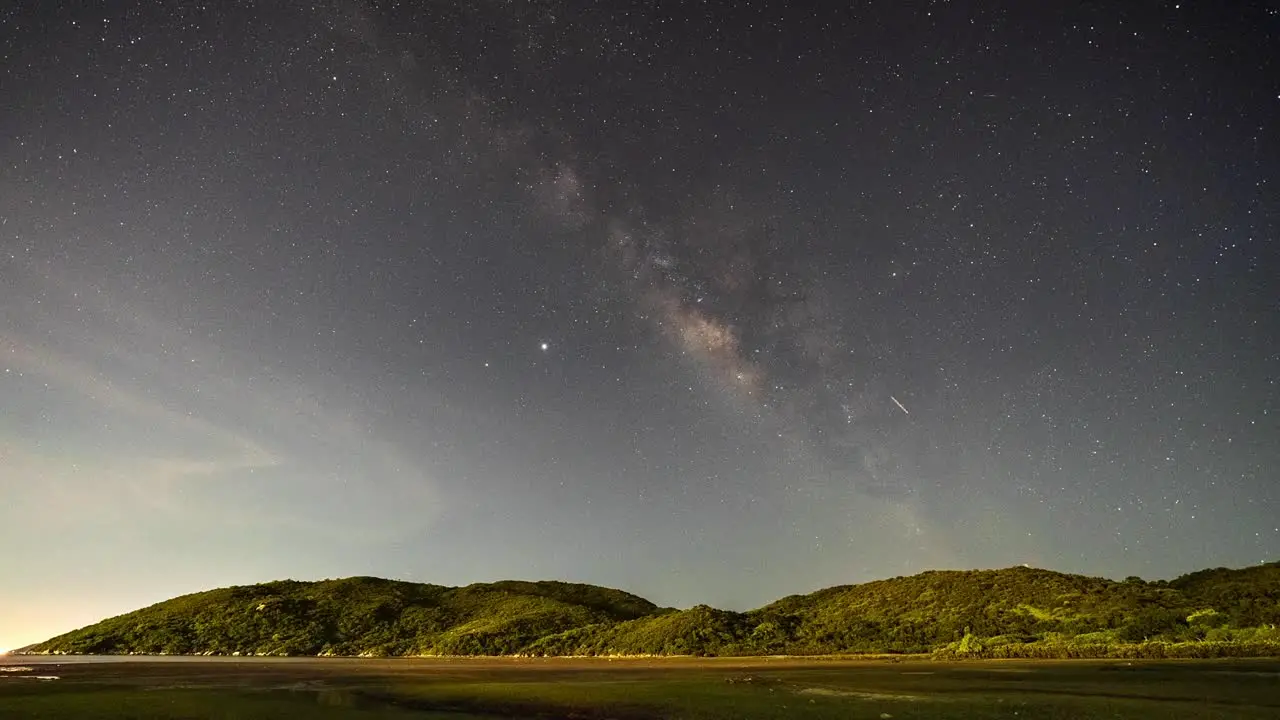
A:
(354, 616)
(1015, 612)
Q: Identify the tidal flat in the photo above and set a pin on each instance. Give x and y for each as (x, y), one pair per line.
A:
(198, 688)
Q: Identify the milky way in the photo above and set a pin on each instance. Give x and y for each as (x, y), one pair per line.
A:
(767, 331)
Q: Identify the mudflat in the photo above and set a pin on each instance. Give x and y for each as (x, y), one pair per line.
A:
(631, 688)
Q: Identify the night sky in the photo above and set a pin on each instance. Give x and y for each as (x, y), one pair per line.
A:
(715, 302)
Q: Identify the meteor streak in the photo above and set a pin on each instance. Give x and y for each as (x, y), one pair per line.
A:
(900, 407)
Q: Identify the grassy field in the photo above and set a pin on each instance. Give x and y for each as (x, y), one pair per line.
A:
(595, 689)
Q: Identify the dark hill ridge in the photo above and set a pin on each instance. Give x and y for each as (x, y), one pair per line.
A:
(1010, 612)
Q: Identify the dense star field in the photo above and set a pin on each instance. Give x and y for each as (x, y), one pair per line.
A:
(708, 301)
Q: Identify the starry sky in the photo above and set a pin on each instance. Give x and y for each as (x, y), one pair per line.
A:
(714, 302)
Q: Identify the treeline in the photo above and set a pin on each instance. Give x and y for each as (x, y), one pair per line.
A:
(1011, 613)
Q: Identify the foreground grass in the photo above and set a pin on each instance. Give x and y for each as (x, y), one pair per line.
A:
(1000, 692)
(597, 690)
(116, 702)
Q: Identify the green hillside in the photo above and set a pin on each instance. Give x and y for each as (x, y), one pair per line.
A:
(1014, 612)
(1241, 598)
(701, 630)
(354, 616)
(914, 614)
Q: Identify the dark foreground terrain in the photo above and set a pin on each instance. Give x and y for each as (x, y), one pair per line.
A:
(632, 689)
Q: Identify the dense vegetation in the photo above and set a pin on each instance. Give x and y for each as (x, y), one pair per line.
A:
(1016, 612)
(355, 616)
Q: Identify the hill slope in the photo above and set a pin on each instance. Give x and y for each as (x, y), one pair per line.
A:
(354, 616)
(937, 607)
(936, 610)
(1245, 597)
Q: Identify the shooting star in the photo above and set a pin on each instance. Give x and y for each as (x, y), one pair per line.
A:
(900, 407)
